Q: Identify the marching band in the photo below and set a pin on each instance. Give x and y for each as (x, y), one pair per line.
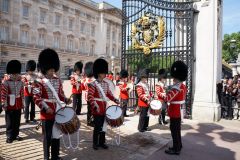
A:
(45, 89)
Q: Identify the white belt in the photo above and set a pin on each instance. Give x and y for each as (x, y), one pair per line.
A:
(18, 96)
(50, 100)
(177, 102)
(99, 99)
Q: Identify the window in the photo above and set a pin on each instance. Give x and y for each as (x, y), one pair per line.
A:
(70, 44)
(4, 33)
(56, 41)
(25, 11)
(83, 25)
(107, 50)
(120, 37)
(41, 39)
(82, 45)
(24, 36)
(5, 6)
(114, 36)
(119, 53)
(57, 20)
(108, 32)
(113, 52)
(92, 49)
(70, 25)
(43, 15)
(93, 30)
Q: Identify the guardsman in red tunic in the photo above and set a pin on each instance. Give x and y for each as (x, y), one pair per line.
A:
(28, 80)
(48, 63)
(77, 87)
(144, 98)
(124, 91)
(12, 100)
(98, 95)
(88, 71)
(176, 97)
(110, 76)
(161, 94)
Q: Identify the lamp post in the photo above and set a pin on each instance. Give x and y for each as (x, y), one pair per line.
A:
(232, 49)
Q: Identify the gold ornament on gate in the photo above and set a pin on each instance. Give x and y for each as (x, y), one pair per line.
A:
(148, 33)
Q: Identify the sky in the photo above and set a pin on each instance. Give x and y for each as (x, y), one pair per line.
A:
(231, 14)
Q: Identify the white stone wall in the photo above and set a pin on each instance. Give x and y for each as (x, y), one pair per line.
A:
(208, 63)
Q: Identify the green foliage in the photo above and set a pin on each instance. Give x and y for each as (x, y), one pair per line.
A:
(154, 63)
(229, 53)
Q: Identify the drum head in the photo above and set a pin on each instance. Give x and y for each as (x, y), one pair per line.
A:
(156, 104)
(64, 115)
(114, 112)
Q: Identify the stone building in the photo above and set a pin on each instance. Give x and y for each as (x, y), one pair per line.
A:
(76, 29)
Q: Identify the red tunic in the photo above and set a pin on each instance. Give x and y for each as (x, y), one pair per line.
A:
(160, 91)
(110, 77)
(28, 81)
(15, 87)
(43, 95)
(144, 94)
(95, 97)
(85, 83)
(76, 84)
(123, 90)
(176, 96)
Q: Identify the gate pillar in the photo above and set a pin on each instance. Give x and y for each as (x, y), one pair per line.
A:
(208, 56)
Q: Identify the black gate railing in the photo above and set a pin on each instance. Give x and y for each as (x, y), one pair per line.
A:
(177, 16)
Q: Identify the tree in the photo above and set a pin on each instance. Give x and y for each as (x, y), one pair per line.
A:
(229, 53)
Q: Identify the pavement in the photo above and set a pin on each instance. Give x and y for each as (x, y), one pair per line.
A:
(209, 141)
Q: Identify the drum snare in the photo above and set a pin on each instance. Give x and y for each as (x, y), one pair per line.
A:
(155, 107)
(67, 121)
(114, 116)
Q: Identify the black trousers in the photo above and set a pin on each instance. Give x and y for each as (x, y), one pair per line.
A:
(98, 134)
(229, 106)
(89, 113)
(77, 103)
(48, 141)
(29, 101)
(13, 119)
(175, 127)
(163, 113)
(124, 106)
(143, 118)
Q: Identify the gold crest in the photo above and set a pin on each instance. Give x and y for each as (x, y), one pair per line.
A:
(148, 33)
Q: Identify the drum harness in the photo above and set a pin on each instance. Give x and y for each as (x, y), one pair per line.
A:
(104, 98)
(56, 130)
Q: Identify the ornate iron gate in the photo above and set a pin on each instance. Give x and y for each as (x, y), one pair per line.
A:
(174, 21)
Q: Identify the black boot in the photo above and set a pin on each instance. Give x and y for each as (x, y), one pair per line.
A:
(55, 149)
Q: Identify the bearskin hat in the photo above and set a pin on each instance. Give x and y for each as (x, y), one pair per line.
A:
(31, 65)
(48, 59)
(78, 66)
(88, 69)
(13, 67)
(162, 73)
(123, 73)
(179, 70)
(143, 73)
(100, 66)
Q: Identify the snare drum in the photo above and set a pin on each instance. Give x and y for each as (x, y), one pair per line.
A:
(114, 116)
(155, 107)
(67, 121)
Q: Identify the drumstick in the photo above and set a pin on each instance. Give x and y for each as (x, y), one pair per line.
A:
(60, 114)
